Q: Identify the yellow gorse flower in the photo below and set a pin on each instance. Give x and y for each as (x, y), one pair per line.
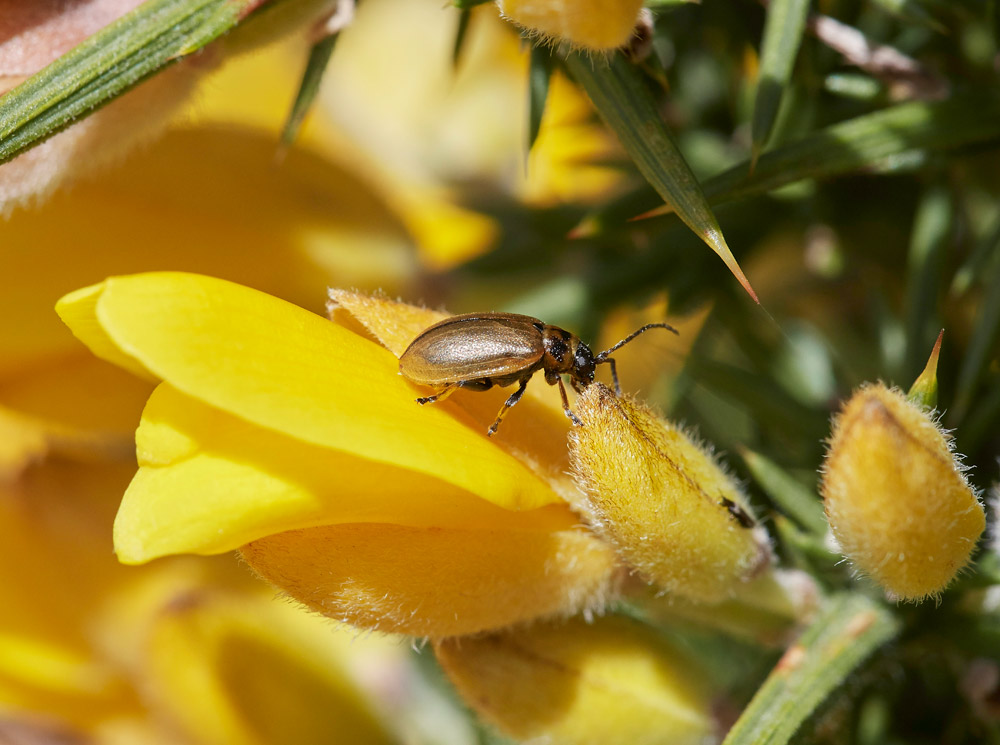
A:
(295, 438)
(94, 651)
(220, 184)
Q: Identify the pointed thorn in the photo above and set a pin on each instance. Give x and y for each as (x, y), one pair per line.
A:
(663, 209)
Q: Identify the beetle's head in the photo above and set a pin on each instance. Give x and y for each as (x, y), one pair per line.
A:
(583, 366)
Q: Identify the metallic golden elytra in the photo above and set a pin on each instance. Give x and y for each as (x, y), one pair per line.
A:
(477, 351)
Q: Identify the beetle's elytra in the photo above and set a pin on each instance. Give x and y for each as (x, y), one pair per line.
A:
(477, 351)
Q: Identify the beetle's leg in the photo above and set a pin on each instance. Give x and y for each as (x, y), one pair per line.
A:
(565, 402)
(514, 398)
(614, 375)
(437, 396)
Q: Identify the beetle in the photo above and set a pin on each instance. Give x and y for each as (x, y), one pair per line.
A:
(477, 351)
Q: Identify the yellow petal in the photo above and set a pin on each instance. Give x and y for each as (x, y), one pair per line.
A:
(78, 310)
(447, 233)
(437, 582)
(21, 443)
(71, 404)
(243, 673)
(573, 158)
(607, 683)
(98, 139)
(209, 482)
(54, 551)
(52, 667)
(285, 369)
(55, 568)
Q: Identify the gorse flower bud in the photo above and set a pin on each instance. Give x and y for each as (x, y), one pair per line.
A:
(672, 513)
(613, 681)
(591, 24)
(896, 497)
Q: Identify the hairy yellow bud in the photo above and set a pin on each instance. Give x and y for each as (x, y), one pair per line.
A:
(671, 512)
(590, 24)
(574, 683)
(896, 496)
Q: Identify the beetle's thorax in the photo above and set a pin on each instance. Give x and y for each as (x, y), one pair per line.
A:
(560, 350)
(566, 354)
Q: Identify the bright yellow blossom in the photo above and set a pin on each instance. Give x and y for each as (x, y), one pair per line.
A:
(289, 230)
(296, 438)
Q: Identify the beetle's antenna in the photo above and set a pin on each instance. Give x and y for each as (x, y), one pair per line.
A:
(603, 356)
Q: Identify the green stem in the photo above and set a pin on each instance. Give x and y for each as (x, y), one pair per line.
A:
(846, 632)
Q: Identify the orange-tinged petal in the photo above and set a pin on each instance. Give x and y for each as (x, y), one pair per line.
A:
(81, 404)
(283, 368)
(437, 582)
(287, 230)
(209, 482)
(37, 520)
(21, 443)
(392, 323)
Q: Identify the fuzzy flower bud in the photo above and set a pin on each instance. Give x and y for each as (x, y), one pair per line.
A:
(574, 683)
(896, 497)
(671, 512)
(590, 24)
